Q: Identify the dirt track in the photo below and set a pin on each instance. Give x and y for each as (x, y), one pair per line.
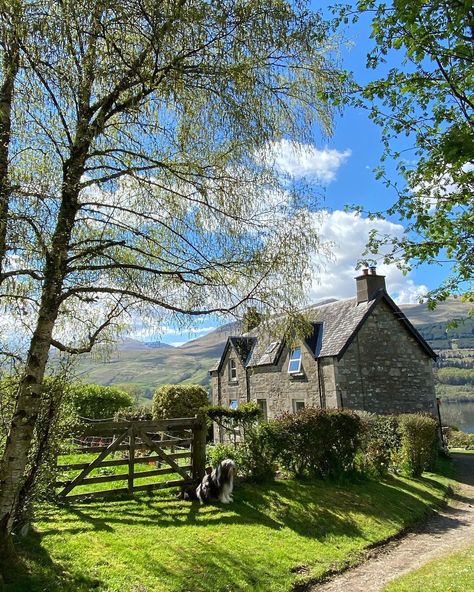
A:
(443, 533)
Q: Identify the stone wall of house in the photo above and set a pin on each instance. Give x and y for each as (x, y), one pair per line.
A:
(280, 389)
(224, 390)
(328, 370)
(231, 389)
(385, 370)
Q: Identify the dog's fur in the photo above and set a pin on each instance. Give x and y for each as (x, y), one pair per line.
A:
(216, 484)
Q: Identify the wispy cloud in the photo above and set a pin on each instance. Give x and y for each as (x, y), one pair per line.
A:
(305, 160)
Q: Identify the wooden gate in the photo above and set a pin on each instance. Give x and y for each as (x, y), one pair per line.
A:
(174, 447)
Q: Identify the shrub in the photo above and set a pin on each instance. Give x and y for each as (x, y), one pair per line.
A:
(235, 421)
(315, 441)
(56, 420)
(418, 442)
(219, 452)
(380, 440)
(142, 413)
(179, 400)
(253, 457)
(458, 439)
(94, 401)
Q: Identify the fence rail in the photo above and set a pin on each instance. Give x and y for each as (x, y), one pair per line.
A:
(164, 444)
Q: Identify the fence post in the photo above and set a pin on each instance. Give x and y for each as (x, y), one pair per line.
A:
(199, 448)
(131, 459)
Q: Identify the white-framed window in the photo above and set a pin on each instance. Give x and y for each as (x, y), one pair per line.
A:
(232, 370)
(298, 405)
(294, 365)
(262, 403)
(233, 403)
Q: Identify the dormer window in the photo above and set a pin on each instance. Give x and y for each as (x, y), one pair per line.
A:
(294, 366)
(232, 370)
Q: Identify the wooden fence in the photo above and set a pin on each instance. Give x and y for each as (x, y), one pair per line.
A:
(131, 444)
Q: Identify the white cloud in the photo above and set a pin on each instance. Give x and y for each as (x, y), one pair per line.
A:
(349, 233)
(305, 160)
(430, 193)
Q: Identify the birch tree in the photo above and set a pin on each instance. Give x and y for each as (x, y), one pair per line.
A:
(142, 175)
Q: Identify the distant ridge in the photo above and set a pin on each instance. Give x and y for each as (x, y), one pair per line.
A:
(148, 365)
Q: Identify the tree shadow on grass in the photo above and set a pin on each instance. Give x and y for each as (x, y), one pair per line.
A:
(35, 571)
(313, 509)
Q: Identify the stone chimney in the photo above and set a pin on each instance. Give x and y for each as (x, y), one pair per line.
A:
(369, 284)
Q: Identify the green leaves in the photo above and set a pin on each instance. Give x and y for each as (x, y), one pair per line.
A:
(428, 98)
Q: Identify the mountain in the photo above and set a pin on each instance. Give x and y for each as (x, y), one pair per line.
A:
(148, 365)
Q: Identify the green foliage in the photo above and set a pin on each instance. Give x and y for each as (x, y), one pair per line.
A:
(94, 401)
(380, 440)
(57, 418)
(235, 421)
(456, 376)
(253, 456)
(458, 439)
(426, 96)
(315, 441)
(418, 443)
(142, 413)
(179, 400)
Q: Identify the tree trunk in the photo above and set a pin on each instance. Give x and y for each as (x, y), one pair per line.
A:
(28, 398)
(11, 65)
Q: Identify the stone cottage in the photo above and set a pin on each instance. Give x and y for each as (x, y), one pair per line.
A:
(363, 354)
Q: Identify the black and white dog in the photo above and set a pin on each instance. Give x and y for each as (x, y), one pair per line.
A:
(216, 484)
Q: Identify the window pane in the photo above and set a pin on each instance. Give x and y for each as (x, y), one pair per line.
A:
(294, 365)
(233, 404)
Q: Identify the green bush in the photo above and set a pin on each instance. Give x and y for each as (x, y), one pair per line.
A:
(418, 442)
(179, 400)
(314, 441)
(94, 401)
(57, 419)
(253, 457)
(380, 440)
(219, 452)
(458, 439)
(142, 413)
(235, 421)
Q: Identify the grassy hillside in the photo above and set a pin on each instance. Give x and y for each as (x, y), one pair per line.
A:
(146, 366)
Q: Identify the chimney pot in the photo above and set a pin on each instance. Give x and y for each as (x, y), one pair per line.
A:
(369, 285)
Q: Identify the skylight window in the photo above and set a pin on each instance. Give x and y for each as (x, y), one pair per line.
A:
(294, 366)
(271, 347)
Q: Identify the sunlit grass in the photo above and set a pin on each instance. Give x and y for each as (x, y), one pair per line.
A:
(273, 535)
(454, 573)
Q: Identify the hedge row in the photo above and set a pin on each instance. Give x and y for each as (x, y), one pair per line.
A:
(329, 443)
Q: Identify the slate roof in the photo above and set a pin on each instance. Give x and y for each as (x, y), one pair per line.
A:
(243, 346)
(335, 325)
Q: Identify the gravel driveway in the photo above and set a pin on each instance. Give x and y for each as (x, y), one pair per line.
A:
(447, 531)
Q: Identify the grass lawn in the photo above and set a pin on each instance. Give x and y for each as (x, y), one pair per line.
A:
(272, 536)
(454, 573)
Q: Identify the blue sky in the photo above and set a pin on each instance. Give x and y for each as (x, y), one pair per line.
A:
(343, 167)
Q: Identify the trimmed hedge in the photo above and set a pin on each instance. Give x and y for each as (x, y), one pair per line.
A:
(315, 441)
(458, 439)
(380, 440)
(418, 443)
(179, 400)
(94, 401)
